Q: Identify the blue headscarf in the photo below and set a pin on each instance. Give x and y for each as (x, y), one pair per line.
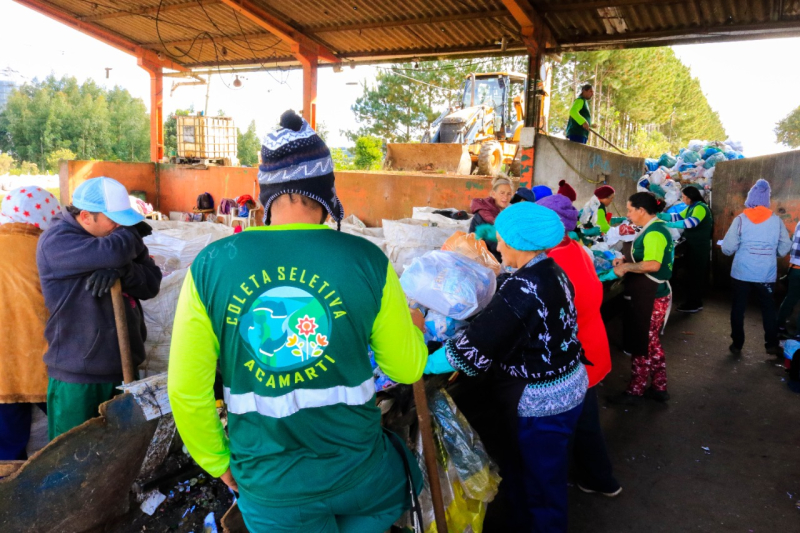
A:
(528, 227)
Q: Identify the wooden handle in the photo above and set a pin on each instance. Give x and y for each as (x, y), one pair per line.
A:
(429, 451)
(128, 372)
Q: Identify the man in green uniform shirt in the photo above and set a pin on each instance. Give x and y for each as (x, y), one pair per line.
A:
(288, 311)
(580, 116)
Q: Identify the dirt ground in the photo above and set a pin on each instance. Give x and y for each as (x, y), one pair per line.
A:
(739, 408)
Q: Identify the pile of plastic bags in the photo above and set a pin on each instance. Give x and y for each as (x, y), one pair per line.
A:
(467, 474)
(694, 164)
(173, 246)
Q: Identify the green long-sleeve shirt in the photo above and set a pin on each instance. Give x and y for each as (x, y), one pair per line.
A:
(579, 114)
(288, 312)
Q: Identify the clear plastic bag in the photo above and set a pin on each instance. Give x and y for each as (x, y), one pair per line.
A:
(467, 245)
(441, 328)
(449, 283)
(407, 239)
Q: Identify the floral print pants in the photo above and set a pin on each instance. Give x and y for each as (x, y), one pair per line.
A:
(653, 366)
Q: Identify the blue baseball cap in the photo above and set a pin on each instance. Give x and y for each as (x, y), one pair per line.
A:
(107, 196)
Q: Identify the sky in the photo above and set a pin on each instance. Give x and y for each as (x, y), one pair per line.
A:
(750, 84)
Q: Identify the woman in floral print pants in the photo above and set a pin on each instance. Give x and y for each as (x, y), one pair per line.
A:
(653, 365)
(647, 272)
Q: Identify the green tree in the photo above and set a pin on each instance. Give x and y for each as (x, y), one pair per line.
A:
(6, 162)
(406, 98)
(639, 93)
(322, 131)
(787, 130)
(341, 159)
(248, 145)
(171, 131)
(369, 153)
(25, 168)
(92, 122)
(56, 156)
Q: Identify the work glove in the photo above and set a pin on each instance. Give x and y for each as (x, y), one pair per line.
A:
(618, 220)
(572, 235)
(101, 281)
(591, 232)
(486, 232)
(608, 275)
(677, 225)
(142, 228)
(438, 363)
(665, 217)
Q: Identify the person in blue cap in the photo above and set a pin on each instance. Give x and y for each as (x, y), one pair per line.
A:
(527, 338)
(96, 241)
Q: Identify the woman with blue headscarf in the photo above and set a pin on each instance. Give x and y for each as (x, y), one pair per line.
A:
(527, 339)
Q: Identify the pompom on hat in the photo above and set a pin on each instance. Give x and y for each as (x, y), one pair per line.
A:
(759, 195)
(565, 189)
(563, 208)
(294, 160)
(604, 192)
(529, 227)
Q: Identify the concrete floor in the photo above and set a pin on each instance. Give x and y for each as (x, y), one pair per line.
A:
(739, 408)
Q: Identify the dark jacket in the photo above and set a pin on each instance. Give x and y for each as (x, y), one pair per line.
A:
(81, 330)
(528, 332)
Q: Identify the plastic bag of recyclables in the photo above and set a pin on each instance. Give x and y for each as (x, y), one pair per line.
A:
(352, 225)
(449, 283)
(407, 239)
(429, 214)
(173, 245)
(467, 245)
(467, 474)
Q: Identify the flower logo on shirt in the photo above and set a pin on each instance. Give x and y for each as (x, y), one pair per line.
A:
(286, 328)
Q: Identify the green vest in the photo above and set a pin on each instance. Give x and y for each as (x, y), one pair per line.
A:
(575, 129)
(293, 327)
(665, 272)
(700, 235)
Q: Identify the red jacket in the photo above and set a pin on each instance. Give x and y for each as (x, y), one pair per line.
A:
(575, 262)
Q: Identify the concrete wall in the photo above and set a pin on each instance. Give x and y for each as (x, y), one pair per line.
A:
(732, 181)
(558, 159)
(371, 196)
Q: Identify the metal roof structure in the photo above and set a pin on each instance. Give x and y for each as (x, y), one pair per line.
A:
(268, 33)
(193, 36)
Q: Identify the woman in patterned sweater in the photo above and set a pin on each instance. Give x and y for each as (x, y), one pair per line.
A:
(527, 339)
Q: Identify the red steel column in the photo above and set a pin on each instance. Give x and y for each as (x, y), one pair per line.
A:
(309, 60)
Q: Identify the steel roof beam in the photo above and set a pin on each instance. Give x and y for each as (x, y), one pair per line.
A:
(148, 10)
(410, 22)
(273, 24)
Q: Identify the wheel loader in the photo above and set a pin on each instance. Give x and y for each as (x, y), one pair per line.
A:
(477, 136)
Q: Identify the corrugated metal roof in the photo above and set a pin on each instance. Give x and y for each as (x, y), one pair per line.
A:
(208, 32)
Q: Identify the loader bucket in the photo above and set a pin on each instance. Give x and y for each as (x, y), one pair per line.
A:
(416, 157)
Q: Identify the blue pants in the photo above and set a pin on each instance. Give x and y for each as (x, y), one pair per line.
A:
(15, 430)
(593, 466)
(538, 489)
(578, 139)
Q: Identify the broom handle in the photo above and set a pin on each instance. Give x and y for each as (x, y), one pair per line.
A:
(128, 372)
(429, 451)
